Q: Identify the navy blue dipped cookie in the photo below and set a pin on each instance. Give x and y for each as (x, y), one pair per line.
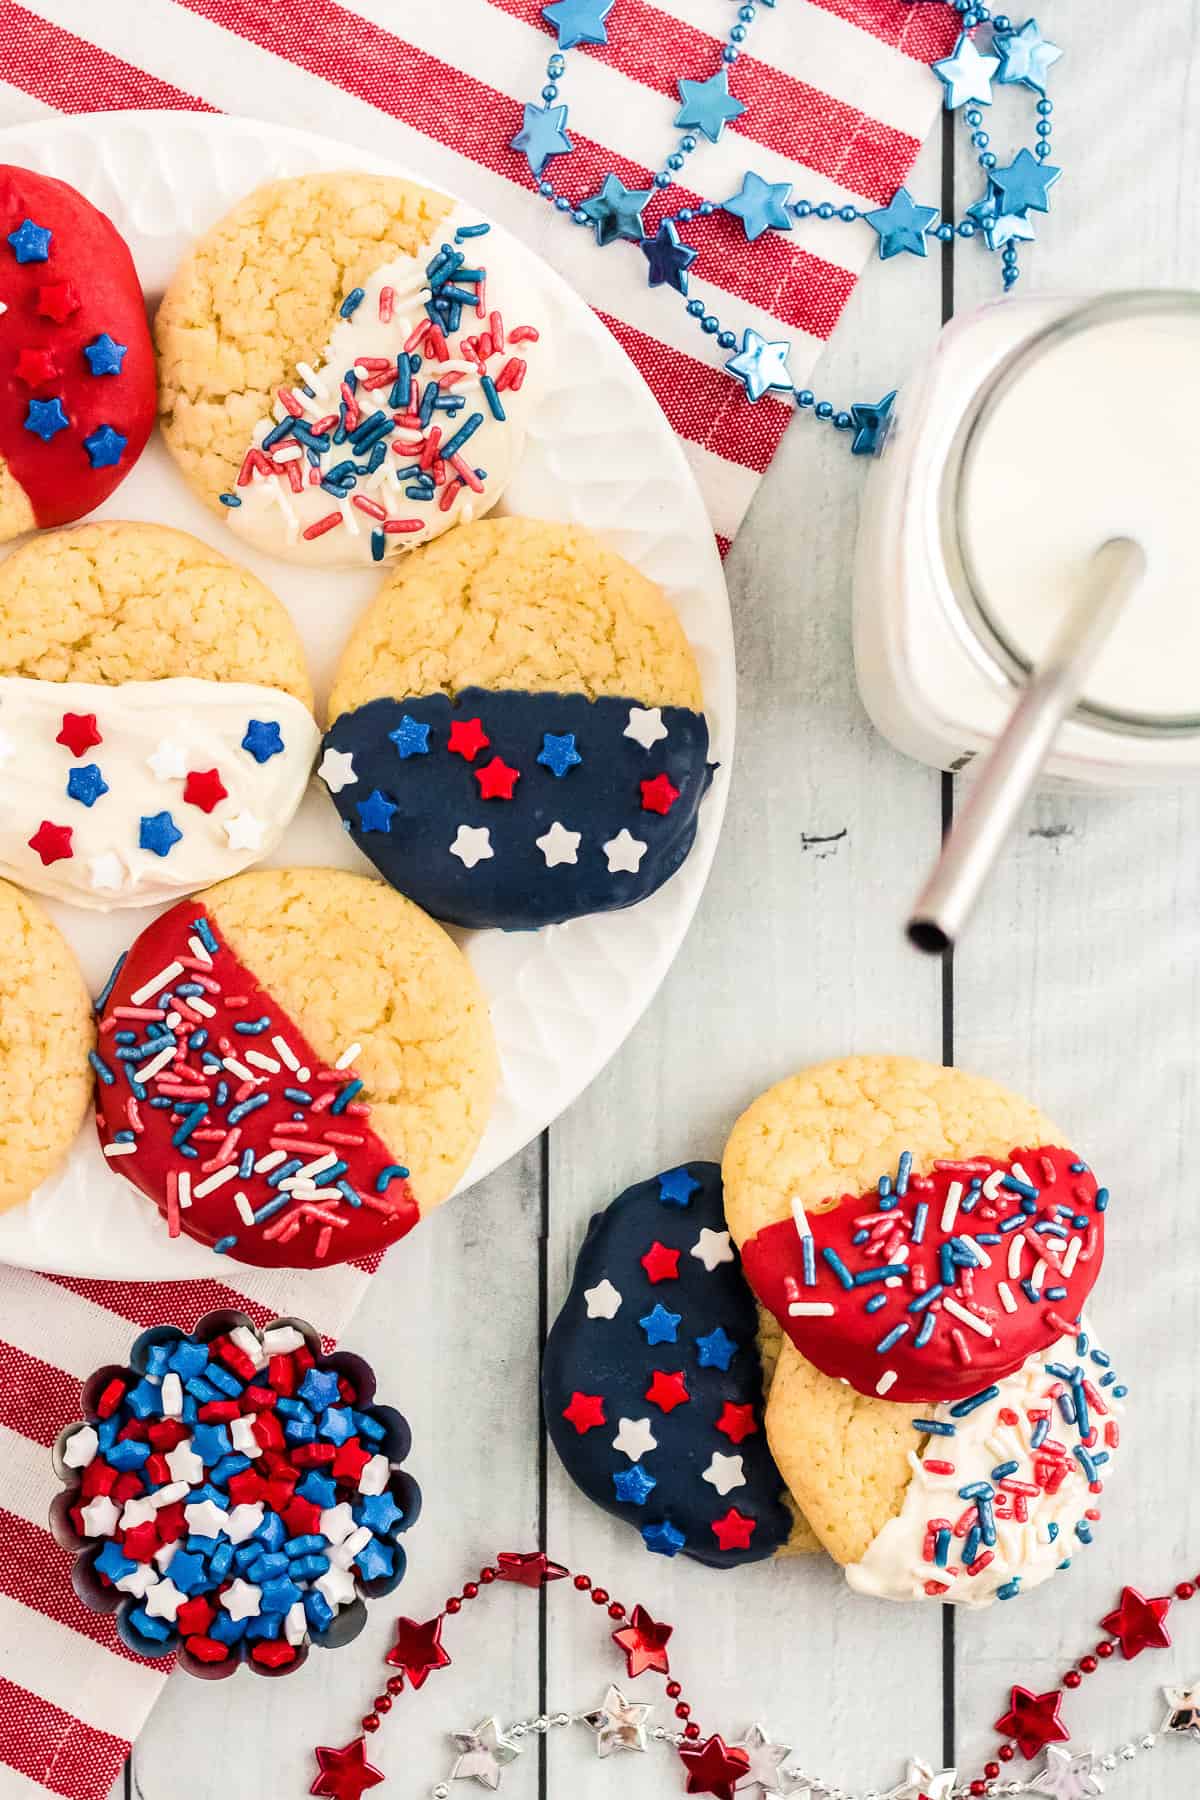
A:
(652, 1382)
(517, 735)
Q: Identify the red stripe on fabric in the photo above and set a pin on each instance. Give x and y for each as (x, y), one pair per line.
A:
(921, 31)
(724, 546)
(182, 1303)
(36, 1399)
(66, 72)
(783, 114)
(36, 1571)
(49, 1746)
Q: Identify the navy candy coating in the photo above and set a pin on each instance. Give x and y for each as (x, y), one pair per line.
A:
(435, 792)
(616, 1359)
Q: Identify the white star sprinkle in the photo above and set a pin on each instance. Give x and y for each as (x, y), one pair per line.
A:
(624, 853)
(184, 1464)
(169, 761)
(558, 845)
(635, 1439)
(242, 1600)
(725, 1473)
(602, 1300)
(713, 1248)
(107, 872)
(137, 1512)
(164, 1600)
(81, 1447)
(645, 726)
(245, 832)
(100, 1517)
(473, 844)
(336, 1587)
(139, 1581)
(337, 770)
(205, 1518)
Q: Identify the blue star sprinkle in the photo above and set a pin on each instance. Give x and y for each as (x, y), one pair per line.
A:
(159, 833)
(410, 737)
(30, 242)
(379, 1513)
(999, 228)
(664, 1539)
(113, 1563)
(616, 211)
(45, 418)
(871, 425)
(901, 225)
(319, 1388)
(375, 1560)
(634, 1486)
(579, 21)
(966, 75)
(761, 367)
(676, 1187)
(669, 259)
(708, 105)
(542, 136)
(558, 754)
(263, 739)
(1024, 184)
(190, 1573)
(375, 812)
(760, 205)
(661, 1326)
(717, 1350)
(105, 447)
(86, 784)
(1026, 56)
(105, 355)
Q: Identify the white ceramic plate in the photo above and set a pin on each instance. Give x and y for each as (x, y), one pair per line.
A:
(600, 454)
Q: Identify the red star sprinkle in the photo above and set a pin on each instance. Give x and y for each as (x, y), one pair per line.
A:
(644, 1642)
(350, 1461)
(205, 789)
(667, 1391)
(585, 1411)
(79, 733)
(532, 1571)
(737, 1422)
(345, 1773)
(36, 367)
(660, 1263)
(52, 843)
(496, 780)
(1138, 1623)
(658, 795)
(418, 1649)
(734, 1532)
(714, 1767)
(1033, 1720)
(58, 301)
(467, 738)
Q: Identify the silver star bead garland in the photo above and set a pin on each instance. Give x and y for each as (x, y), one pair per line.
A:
(619, 1724)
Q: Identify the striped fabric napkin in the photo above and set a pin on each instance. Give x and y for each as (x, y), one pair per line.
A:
(838, 99)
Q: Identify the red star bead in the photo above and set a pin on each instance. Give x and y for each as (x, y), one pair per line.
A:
(205, 789)
(734, 1532)
(52, 843)
(467, 738)
(714, 1767)
(36, 367)
(346, 1773)
(658, 795)
(1033, 1720)
(667, 1391)
(418, 1649)
(1138, 1623)
(531, 1571)
(737, 1422)
(79, 733)
(58, 301)
(660, 1263)
(644, 1642)
(496, 780)
(584, 1412)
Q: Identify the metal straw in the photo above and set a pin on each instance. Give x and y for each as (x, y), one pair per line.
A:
(1016, 760)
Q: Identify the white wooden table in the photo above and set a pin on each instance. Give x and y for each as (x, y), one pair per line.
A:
(1080, 984)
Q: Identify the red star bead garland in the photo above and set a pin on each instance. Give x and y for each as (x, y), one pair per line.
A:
(1137, 1624)
(345, 1774)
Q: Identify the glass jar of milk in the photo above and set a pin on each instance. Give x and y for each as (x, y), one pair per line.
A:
(1037, 430)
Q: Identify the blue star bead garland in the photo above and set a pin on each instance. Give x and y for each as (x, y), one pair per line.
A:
(543, 136)
(708, 106)
(901, 225)
(579, 21)
(669, 260)
(616, 211)
(760, 205)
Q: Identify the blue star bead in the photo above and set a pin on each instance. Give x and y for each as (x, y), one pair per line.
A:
(375, 1561)
(669, 259)
(410, 737)
(579, 21)
(661, 1326)
(113, 1563)
(761, 367)
(717, 1350)
(1026, 57)
(616, 211)
(379, 1513)
(263, 739)
(708, 105)
(105, 355)
(45, 418)
(1024, 184)
(663, 1539)
(901, 225)
(542, 136)
(634, 1486)
(871, 424)
(966, 75)
(375, 812)
(1000, 228)
(558, 754)
(86, 784)
(760, 205)
(30, 242)
(105, 447)
(319, 1389)
(158, 832)
(676, 1187)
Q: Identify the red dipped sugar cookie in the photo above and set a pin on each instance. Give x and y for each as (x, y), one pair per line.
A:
(294, 1067)
(77, 381)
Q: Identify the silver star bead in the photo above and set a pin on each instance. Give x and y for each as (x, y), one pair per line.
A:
(923, 1784)
(482, 1753)
(1067, 1777)
(766, 1774)
(618, 1724)
(1183, 1711)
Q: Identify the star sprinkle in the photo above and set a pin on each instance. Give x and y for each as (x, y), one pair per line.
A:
(168, 762)
(105, 355)
(36, 367)
(901, 225)
(585, 1412)
(635, 1439)
(661, 1326)
(737, 1422)
(676, 1187)
(714, 1767)
(241, 1599)
(966, 75)
(616, 211)
(734, 1531)
(79, 733)
(713, 1248)
(99, 1517)
(1137, 1623)
(558, 845)
(765, 1770)
(603, 1300)
(660, 1263)
(725, 1473)
(708, 106)
(86, 784)
(1033, 1720)
(205, 789)
(1067, 1777)
(30, 243)
(663, 1539)
(761, 367)
(871, 424)
(667, 1390)
(411, 737)
(624, 853)
(164, 1600)
(376, 812)
(496, 780)
(923, 1784)
(760, 205)
(645, 726)
(619, 1724)
(533, 1569)
(336, 770)
(345, 1774)
(59, 301)
(542, 135)
(46, 418)
(717, 1350)
(184, 1464)
(644, 1642)
(1024, 184)
(1183, 1710)
(105, 447)
(52, 843)
(579, 21)
(417, 1651)
(658, 794)
(467, 738)
(263, 739)
(633, 1486)
(245, 832)
(472, 844)
(1026, 57)
(668, 260)
(483, 1753)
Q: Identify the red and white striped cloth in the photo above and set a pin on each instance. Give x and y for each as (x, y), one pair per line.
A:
(839, 98)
